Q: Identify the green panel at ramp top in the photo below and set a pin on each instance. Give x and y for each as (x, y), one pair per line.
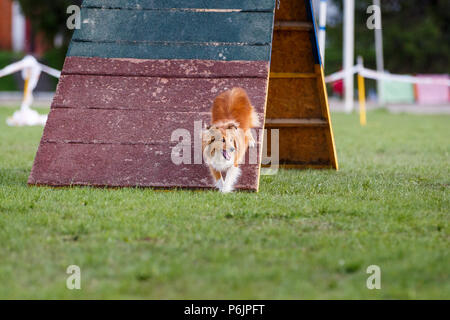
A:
(169, 30)
(163, 26)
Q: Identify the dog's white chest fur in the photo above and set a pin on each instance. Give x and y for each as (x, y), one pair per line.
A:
(219, 163)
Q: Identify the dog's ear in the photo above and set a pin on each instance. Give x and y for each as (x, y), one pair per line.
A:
(208, 136)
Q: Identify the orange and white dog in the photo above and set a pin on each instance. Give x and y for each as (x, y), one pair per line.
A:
(226, 141)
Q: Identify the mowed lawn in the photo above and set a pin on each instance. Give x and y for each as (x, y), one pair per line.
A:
(305, 235)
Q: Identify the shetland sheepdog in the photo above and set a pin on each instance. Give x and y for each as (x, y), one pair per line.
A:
(227, 139)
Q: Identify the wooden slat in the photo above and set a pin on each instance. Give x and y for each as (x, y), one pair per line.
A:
(151, 94)
(121, 126)
(165, 68)
(293, 98)
(293, 10)
(287, 75)
(118, 126)
(294, 123)
(292, 52)
(61, 164)
(259, 5)
(302, 146)
(168, 50)
(292, 26)
(154, 27)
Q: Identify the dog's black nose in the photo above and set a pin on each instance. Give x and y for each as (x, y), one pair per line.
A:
(232, 149)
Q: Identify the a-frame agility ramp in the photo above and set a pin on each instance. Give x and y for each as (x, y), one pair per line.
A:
(139, 69)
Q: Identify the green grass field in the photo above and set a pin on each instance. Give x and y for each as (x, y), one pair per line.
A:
(305, 235)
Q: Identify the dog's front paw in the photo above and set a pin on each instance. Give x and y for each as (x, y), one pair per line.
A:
(226, 190)
(219, 185)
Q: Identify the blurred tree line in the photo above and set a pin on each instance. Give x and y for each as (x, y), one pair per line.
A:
(416, 36)
(49, 18)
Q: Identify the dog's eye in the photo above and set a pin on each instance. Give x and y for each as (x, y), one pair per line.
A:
(223, 140)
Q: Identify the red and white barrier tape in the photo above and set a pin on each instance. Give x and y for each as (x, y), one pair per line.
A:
(375, 75)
